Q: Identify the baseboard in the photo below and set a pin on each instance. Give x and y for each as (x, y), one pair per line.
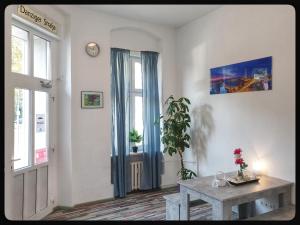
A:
(42, 214)
(169, 186)
(96, 201)
(59, 207)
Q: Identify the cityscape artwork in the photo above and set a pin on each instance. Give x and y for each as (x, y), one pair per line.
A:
(253, 75)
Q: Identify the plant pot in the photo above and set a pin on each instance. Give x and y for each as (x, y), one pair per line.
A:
(134, 149)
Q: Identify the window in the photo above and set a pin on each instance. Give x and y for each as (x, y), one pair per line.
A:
(41, 127)
(29, 46)
(19, 50)
(21, 128)
(30, 56)
(41, 59)
(136, 95)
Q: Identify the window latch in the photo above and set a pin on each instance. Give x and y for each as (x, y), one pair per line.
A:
(46, 84)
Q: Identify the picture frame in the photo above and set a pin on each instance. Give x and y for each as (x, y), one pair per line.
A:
(92, 99)
(252, 75)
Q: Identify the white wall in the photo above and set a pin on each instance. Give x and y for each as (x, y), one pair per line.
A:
(134, 39)
(64, 147)
(91, 129)
(262, 123)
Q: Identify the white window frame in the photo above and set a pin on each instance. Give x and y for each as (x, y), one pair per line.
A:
(134, 92)
(33, 32)
(30, 82)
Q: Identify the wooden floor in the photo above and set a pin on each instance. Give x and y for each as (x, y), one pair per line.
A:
(148, 205)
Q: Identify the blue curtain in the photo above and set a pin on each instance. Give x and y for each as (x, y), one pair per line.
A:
(120, 121)
(152, 157)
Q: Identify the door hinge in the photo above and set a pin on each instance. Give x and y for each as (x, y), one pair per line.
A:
(53, 98)
(52, 149)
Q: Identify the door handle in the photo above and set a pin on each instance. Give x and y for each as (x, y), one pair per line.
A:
(13, 160)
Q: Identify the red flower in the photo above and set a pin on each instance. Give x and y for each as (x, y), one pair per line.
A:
(237, 151)
(239, 161)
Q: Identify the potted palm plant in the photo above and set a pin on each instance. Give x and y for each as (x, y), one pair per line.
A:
(134, 138)
(175, 136)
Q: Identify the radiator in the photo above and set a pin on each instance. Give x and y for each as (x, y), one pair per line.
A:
(136, 171)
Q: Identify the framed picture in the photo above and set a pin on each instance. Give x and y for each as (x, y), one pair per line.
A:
(253, 75)
(91, 99)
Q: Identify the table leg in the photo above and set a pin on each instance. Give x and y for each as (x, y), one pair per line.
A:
(184, 205)
(221, 211)
(285, 198)
(246, 210)
(274, 201)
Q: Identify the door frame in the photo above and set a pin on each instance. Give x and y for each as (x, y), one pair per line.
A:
(14, 80)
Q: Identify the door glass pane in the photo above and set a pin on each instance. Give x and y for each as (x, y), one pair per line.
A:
(21, 129)
(137, 76)
(19, 50)
(41, 58)
(138, 114)
(41, 127)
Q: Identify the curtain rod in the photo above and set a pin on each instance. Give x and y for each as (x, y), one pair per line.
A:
(142, 51)
(138, 51)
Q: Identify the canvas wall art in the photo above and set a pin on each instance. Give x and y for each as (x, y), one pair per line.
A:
(91, 99)
(253, 75)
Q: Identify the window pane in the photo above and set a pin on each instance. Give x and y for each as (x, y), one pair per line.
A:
(41, 127)
(21, 128)
(41, 58)
(138, 115)
(137, 76)
(19, 50)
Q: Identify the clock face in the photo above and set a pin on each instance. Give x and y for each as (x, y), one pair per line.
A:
(92, 49)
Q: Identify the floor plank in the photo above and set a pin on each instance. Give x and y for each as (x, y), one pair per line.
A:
(148, 205)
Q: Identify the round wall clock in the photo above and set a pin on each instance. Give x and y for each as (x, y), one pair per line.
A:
(92, 49)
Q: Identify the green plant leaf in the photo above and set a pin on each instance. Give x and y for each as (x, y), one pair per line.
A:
(175, 125)
(187, 100)
(134, 136)
(187, 137)
(186, 145)
(186, 173)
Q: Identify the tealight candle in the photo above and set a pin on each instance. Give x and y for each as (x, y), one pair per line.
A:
(257, 167)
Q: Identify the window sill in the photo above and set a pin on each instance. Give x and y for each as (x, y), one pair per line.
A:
(136, 153)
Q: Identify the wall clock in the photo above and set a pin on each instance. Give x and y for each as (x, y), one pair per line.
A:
(92, 49)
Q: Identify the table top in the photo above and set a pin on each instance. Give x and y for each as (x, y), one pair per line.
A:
(204, 185)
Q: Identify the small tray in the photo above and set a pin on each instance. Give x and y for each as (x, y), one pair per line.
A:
(233, 181)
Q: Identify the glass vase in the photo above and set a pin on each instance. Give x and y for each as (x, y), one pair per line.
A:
(240, 174)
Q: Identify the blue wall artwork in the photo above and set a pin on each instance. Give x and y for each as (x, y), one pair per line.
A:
(254, 75)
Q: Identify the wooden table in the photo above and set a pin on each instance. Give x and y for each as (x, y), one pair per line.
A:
(276, 191)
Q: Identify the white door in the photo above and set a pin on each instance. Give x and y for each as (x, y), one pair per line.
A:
(28, 122)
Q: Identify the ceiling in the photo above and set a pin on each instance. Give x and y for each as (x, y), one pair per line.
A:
(168, 15)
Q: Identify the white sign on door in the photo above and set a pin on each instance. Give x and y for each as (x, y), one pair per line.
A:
(40, 123)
